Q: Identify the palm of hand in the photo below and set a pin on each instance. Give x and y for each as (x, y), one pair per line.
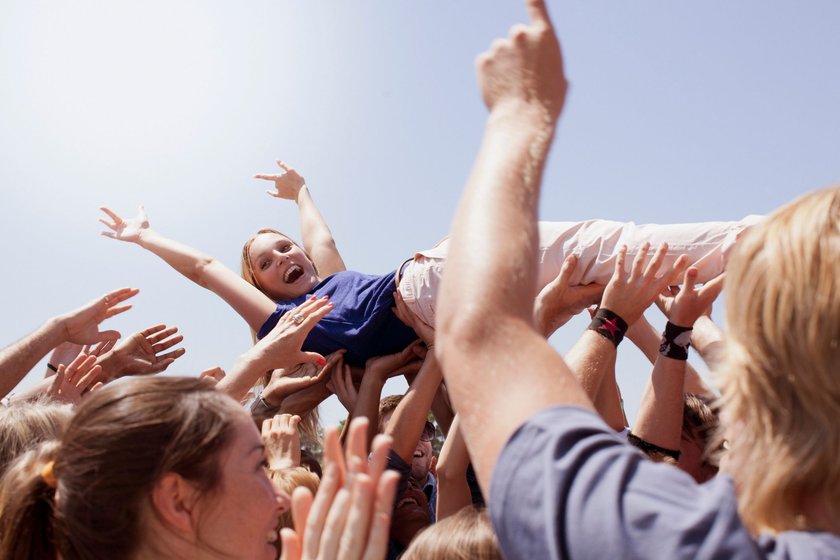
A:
(139, 356)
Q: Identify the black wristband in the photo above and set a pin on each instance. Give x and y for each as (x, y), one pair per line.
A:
(648, 447)
(675, 342)
(52, 367)
(609, 325)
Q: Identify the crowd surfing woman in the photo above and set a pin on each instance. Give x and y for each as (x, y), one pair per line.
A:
(278, 273)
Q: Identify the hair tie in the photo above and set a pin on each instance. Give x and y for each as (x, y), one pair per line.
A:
(48, 474)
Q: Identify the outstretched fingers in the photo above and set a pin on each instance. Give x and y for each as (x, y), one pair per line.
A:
(656, 262)
(639, 261)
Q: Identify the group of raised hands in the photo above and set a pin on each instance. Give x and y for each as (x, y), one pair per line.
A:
(84, 357)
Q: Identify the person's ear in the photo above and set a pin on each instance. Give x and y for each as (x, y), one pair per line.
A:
(174, 499)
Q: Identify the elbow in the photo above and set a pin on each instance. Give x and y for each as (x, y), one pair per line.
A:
(201, 271)
(467, 330)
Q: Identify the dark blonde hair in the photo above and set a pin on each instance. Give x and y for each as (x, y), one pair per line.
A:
(780, 374)
(467, 535)
(24, 426)
(288, 480)
(85, 496)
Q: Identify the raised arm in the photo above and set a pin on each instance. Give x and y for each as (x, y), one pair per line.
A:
(317, 237)
(661, 411)
(492, 357)
(278, 349)
(409, 418)
(250, 303)
(647, 339)
(80, 326)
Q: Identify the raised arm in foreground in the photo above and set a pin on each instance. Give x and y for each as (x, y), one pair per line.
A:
(493, 359)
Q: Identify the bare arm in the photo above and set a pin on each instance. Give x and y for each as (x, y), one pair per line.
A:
(647, 338)
(491, 354)
(80, 326)
(408, 419)
(278, 349)
(317, 237)
(661, 411)
(453, 490)
(592, 361)
(250, 303)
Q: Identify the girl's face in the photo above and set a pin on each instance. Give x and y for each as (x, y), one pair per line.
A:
(241, 521)
(282, 269)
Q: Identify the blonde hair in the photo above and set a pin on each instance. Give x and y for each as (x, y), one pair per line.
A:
(288, 480)
(467, 535)
(780, 375)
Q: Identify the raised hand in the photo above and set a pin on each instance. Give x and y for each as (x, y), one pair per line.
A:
(282, 441)
(527, 67)
(82, 325)
(71, 382)
(684, 306)
(213, 374)
(558, 302)
(125, 230)
(285, 382)
(341, 384)
(281, 348)
(628, 294)
(141, 353)
(391, 365)
(286, 185)
(350, 516)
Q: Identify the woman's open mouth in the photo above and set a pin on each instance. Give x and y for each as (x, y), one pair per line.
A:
(293, 273)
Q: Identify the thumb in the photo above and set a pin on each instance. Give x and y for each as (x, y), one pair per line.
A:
(312, 358)
(106, 336)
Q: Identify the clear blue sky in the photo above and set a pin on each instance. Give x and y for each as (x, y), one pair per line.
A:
(678, 111)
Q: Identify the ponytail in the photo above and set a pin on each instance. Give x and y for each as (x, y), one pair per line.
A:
(27, 506)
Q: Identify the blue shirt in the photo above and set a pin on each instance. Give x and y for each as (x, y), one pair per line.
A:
(566, 486)
(361, 321)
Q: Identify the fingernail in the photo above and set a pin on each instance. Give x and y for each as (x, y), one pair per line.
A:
(321, 362)
(313, 298)
(325, 297)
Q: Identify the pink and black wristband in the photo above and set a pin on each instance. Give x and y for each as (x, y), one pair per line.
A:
(609, 325)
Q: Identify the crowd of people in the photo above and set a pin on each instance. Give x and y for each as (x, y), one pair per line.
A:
(106, 459)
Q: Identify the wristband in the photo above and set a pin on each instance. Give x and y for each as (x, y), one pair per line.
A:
(260, 408)
(52, 367)
(609, 325)
(675, 342)
(649, 448)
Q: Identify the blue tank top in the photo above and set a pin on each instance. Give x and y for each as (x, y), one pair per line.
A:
(361, 320)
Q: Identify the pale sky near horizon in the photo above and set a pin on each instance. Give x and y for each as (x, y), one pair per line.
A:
(677, 112)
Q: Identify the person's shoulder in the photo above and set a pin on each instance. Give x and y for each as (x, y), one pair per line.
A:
(795, 545)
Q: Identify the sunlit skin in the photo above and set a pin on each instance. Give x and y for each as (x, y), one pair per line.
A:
(242, 521)
(281, 267)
